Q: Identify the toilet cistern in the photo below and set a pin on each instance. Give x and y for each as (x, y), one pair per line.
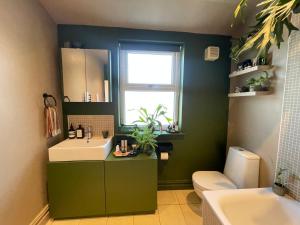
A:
(241, 171)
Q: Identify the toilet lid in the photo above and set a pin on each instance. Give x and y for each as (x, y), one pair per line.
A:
(212, 180)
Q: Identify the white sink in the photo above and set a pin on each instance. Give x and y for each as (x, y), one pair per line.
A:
(80, 149)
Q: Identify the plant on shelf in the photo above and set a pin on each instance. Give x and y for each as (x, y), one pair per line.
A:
(261, 83)
(145, 139)
(251, 84)
(273, 15)
(279, 186)
(152, 120)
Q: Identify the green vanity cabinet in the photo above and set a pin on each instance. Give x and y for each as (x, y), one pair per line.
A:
(131, 184)
(76, 189)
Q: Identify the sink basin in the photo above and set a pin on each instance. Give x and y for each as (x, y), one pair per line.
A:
(79, 149)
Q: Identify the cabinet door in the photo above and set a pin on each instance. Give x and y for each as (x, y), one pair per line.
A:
(74, 79)
(76, 189)
(131, 186)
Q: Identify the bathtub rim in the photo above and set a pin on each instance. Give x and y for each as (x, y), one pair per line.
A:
(212, 198)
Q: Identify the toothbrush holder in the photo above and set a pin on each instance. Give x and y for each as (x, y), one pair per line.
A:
(105, 134)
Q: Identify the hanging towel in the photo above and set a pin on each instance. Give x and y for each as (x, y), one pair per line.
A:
(52, 122)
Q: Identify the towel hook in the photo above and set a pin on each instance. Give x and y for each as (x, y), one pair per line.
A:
(46, 100)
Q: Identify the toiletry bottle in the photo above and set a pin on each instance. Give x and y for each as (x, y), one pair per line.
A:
(89, 132)
(80, 132)
(71, 132)
(125, 145)
(176, 127)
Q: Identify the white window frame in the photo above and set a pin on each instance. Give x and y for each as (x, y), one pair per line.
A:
(175, 85)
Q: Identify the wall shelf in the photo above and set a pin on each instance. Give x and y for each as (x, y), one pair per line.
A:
(253, 69)
(249, 94)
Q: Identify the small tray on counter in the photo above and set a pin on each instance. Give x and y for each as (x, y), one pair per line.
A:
(131, 153)
(121, 154)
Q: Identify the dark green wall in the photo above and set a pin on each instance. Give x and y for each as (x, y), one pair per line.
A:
(205, 103)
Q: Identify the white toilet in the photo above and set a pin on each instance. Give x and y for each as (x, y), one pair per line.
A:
(241, 171)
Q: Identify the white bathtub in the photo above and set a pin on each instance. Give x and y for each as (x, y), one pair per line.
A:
(259, 206)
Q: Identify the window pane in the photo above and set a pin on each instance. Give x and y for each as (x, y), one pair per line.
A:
(148, 100)
(148, 68)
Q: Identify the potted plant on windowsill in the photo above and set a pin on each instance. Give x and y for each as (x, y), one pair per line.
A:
(145, 139)
(278, 187)
(152, 120)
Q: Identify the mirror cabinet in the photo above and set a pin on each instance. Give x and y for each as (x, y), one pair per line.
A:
(86, 75)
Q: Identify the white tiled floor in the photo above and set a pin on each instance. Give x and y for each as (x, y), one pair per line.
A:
(175, 207)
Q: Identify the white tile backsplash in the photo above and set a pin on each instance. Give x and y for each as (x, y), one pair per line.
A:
(289, 145)
(98, 123)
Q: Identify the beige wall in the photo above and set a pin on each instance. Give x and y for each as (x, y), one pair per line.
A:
(28, 67)
(254, 122)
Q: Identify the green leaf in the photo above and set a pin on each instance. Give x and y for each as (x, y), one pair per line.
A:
(142, 119)
(168, 119)
(278, 33)
(289, 26)
(269, 26)
(144, 111)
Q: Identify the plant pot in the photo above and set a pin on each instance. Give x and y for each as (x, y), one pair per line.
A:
(265, 86)
(147, 150)
(296, 9)
(152, 128)
(259, 88)
(279, 189)
(244, 89)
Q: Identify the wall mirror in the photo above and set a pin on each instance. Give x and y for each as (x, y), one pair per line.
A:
(86, 75)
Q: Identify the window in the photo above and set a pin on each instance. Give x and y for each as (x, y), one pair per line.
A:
(148, 78)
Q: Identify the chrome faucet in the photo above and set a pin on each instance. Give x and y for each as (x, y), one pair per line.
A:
(89, 133)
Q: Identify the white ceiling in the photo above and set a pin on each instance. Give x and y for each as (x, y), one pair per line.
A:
(196, 16)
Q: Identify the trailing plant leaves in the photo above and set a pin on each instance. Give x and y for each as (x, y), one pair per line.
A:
(269, 26)
(239, 10)
(289, 26)
(278, 33)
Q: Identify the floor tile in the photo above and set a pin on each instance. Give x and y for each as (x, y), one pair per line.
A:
(187, 197)
(66, 222)
(170, 215)
(50, 221)
(166, 198)
(151, 219)
(192, 214)
(93, 221)
(120, 220)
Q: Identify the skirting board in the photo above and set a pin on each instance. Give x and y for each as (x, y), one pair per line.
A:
(175, 184)
(42, 217)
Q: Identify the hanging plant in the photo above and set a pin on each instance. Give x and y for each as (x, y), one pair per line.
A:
(268, 30)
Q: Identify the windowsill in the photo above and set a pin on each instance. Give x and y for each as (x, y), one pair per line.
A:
(164, 135)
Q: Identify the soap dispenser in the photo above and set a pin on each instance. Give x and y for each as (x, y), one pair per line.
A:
(71, 132)
(80, 132)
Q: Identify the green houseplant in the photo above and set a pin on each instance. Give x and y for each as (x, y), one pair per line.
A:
(278, 186)
(145, 139)
(261, 83)
(251, 84)
(152, 119)
(268, 30)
